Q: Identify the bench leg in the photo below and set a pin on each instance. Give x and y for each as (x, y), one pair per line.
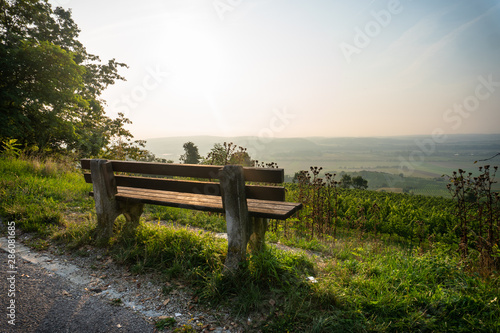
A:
(107, 209)
(105, 223)
(257, 239)
(237, 219)
(132, 213)
(106, 220)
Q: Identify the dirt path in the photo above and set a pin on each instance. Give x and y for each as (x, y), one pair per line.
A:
(53, 286)
(47, 302)
(89, 292)
(97, 294)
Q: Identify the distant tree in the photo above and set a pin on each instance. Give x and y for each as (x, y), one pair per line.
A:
(228, 153)
(191, 155)
(296, 177)
(345, 181)
(241, 158)
(217, 155)
(359, 182)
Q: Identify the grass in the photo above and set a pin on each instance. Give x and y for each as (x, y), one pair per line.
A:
(400, 291)
(360, 283)
(176, 252)
(38, 195)
(165, 323)
(208, 221)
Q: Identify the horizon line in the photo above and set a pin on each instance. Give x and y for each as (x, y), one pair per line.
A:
(318, 136)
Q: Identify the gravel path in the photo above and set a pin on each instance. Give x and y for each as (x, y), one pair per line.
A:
(47, 302)
(57, 292)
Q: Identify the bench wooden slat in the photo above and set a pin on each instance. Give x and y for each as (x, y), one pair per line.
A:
(260, 175)
(282, 206)
(192, 201)
(273, 193)
(173, 185)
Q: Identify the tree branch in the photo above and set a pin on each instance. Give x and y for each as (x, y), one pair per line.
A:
(487, 159)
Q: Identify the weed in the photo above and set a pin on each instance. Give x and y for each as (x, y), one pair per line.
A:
(76, 234)
(167, 289)
(38, 244)
(116, 301)
(11, 148)
(185, 329)
(164, 323)
(478, 214)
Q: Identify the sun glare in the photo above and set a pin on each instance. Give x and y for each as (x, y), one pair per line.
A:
(197, 59)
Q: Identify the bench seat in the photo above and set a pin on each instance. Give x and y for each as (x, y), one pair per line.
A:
(279, 210)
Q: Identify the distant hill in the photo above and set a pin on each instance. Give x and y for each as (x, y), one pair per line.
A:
(418, 156)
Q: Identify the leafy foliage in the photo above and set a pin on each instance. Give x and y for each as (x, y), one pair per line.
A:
(359, 183)
(228, 153)
(191, 155)
(50, 86)
(328, 206)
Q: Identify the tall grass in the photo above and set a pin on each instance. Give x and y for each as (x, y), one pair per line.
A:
(397, 290)
(177, 252)
(37, 194)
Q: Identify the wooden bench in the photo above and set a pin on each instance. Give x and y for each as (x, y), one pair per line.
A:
(247, 208)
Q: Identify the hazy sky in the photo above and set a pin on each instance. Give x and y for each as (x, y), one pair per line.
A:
(290, 68)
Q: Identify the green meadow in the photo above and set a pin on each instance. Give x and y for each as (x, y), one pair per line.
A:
(359, 280)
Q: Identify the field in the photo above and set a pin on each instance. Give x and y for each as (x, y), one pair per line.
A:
(390, 266)
(415, 164)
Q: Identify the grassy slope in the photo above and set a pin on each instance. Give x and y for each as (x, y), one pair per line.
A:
(363, 284)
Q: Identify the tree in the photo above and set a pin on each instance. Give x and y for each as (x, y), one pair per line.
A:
(228, 153)
(191, 155)
(345, 181)
(241, 158)
(359, 183)
(217, 155)
(50, 87)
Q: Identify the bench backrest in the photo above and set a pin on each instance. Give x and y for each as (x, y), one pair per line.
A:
(145, 170)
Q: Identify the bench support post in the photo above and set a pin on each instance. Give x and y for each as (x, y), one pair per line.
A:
(257, 239)
(238, 224)
(132, 213)
(104, 195)
(106, 206)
